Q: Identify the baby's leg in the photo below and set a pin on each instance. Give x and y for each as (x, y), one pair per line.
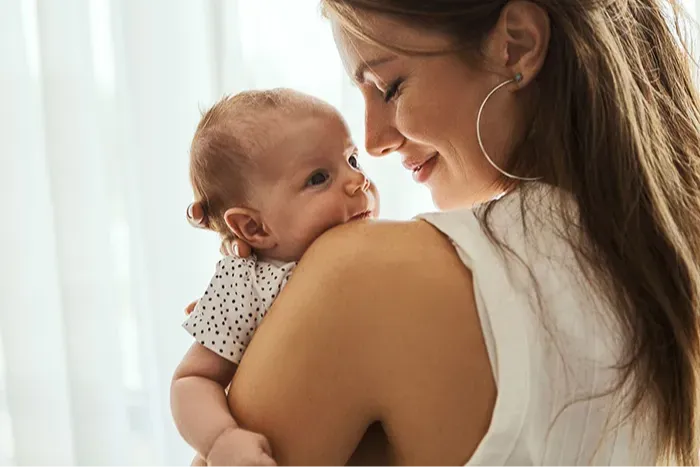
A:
(198, 461)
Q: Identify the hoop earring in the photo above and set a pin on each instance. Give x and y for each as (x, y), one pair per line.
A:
(517, 79)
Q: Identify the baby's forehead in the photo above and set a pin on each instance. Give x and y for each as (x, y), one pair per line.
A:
(300, 119)
(295, 141)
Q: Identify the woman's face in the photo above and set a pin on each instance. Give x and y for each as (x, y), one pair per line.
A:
(425, 108)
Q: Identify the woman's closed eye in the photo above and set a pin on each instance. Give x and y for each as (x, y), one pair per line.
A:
(318, 178)
(393, 90)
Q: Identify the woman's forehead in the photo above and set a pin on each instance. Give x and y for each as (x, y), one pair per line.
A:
(388, 33)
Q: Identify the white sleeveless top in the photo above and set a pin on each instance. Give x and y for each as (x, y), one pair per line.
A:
(552, 347)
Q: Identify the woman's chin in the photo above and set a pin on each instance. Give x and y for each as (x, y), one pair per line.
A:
(445, 201)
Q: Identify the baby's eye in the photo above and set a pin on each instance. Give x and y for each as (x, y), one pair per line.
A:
(354, 163)
(318, 178)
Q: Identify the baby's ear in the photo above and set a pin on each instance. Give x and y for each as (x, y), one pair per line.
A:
(247, 225)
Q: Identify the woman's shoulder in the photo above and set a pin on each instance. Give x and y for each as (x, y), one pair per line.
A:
(383, 264)
(370, 243)
(378, 321)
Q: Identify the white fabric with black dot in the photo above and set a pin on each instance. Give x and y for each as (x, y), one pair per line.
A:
(234, 304)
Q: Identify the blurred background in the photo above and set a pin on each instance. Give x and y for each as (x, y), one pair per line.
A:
(98, 102)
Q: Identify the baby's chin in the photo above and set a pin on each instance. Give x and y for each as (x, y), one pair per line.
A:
(373, 209)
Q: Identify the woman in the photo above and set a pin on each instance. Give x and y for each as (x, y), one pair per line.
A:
(556, 322)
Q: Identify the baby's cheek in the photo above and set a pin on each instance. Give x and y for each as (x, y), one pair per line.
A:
(305, 232)
(322, 225)
(318, 216)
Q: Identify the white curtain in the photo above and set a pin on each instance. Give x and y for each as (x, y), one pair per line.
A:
(99, 100)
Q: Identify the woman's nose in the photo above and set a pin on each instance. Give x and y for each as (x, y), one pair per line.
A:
(381, 135)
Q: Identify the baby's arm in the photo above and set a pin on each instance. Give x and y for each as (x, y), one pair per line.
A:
(198, 398)
(202, 416)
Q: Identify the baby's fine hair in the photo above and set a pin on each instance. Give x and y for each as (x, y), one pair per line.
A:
(229, 136)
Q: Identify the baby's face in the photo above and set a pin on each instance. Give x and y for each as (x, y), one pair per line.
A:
(311, 180)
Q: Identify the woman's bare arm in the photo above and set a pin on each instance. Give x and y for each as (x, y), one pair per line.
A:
(378, 323)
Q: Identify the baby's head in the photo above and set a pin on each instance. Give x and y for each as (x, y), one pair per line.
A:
(276, 169)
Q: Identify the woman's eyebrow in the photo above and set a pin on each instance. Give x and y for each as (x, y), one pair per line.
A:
(367, 65)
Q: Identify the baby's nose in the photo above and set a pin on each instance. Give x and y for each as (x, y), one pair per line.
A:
(357, 182)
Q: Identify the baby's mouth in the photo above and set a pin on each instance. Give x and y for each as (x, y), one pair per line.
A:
(363, 215)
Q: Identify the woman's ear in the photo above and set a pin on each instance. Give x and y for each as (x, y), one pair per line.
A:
(247, 225)
(521, 39)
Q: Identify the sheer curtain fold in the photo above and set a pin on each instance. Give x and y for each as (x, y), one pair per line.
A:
(54, 156)
(165, 81)
(31, 321)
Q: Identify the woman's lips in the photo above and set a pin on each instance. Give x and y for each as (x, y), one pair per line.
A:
(422, 171)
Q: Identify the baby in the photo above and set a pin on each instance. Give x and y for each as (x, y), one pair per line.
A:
(274, 170)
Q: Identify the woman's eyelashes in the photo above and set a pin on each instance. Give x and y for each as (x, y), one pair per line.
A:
(393, 90)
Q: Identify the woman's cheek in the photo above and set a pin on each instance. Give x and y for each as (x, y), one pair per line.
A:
(417, 122)
(410, 123)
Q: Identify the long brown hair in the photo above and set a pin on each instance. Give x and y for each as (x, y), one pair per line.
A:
(619, 130)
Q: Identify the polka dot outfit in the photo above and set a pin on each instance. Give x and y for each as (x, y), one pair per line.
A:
(234, 304)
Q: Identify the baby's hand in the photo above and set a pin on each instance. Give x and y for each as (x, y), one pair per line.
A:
(235, 247)
(237, 446)
(190, 308)
(229, 247)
